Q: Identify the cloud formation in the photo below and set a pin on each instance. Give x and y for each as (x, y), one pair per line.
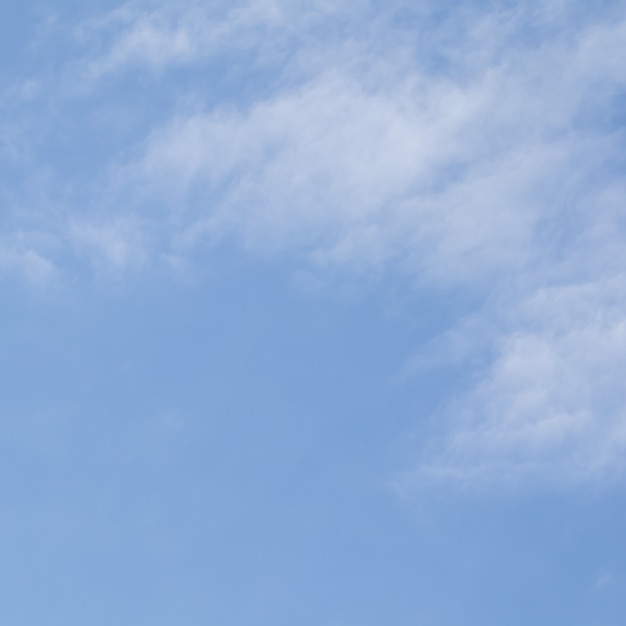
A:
(474, 149)
(549, 406)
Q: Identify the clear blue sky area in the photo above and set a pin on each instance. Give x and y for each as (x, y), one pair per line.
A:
(312, 314)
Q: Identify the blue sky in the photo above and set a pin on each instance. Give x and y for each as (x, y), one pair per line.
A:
(313, 313)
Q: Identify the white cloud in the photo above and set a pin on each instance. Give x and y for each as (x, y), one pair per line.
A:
(21, 257)
(463, 178)
(476, 151)
(550, 406)
(114, 245)
(161, 36)
(453, 175)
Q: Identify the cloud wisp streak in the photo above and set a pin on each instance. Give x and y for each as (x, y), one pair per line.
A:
(479, 150)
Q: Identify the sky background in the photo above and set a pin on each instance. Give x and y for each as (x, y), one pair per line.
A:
(313, 313)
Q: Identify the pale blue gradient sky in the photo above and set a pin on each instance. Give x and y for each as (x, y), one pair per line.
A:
(312, 314)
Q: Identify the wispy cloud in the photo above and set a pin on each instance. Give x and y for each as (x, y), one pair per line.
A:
(117, 244)
(549, 405)
(453, 173)
(475, 149)
(162, 37)
(22, 255)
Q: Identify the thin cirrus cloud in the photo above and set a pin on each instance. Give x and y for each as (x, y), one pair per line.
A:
(163, 37)
(480, 150)
(548, 408)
